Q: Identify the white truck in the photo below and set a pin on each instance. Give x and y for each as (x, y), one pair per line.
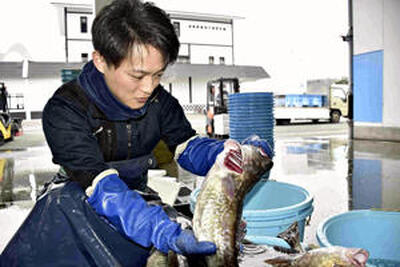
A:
(312, 107)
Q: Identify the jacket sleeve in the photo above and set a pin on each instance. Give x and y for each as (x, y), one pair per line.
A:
(71, 141)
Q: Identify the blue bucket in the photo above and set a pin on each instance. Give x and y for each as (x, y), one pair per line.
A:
(271, 207)
(376, 231)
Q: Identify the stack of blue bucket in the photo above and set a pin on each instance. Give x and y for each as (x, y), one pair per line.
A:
(251, 113)
(69, 74)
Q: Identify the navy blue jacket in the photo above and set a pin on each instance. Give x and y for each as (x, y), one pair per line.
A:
(88, 130)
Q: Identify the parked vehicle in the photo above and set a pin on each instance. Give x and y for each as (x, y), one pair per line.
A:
(9, 126)
(314, 107)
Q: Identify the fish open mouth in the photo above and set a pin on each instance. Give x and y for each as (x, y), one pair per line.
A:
(261, 151)
(359, 258)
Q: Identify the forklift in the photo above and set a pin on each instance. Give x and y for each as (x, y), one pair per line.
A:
(9, 126)
(217, 106)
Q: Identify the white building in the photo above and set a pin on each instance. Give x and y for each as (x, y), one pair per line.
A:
(32, 54)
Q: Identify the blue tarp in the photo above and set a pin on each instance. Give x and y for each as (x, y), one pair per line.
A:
(63, 230)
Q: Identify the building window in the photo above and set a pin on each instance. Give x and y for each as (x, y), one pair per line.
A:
(84, 57)
(222, 60)
(183, 59)
(210, 60)
(177, 27)
(84, 26)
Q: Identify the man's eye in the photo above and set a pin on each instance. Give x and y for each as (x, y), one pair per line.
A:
(136, 77)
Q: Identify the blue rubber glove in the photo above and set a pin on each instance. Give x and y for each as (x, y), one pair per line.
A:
(201, 152)
(255, 140)
(186, 244)
(145, 224)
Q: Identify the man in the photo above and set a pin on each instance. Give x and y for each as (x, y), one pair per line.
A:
(101, 129)
(3, 97)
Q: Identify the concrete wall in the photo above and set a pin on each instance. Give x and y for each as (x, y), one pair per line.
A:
(180, 90)
(376, 65)
(36, 92)
(200, 54)
(391, 77)
(79, 42)
(205, 32)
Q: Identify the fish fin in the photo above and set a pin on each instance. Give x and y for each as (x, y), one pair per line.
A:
(286, 250)
(292, 236)
(228, 185)
(279, 261)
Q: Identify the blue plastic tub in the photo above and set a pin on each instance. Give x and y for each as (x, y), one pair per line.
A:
(376, 231)
(271, 207)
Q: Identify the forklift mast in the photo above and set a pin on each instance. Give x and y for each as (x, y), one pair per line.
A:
(218, 91)
(217, 99)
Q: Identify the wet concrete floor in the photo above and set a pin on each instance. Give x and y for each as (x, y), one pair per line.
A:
(315, 157)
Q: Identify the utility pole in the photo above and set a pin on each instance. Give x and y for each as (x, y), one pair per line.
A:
(349, 38)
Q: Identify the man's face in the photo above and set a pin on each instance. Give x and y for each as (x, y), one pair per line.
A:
(135, 79)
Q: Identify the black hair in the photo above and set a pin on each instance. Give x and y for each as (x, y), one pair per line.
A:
(124, 24)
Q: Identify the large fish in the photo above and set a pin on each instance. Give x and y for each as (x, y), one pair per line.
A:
(219, 204)
(323, 257)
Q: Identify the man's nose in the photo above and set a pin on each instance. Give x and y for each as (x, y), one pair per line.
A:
(147, 85)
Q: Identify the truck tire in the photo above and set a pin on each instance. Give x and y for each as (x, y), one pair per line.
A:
(1, 139)
(282, 121)
(335, 116)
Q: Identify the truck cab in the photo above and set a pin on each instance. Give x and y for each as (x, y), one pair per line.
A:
(338, 101)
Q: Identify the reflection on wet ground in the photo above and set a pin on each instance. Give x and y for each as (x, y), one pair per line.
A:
(23, 173)
(320, 164)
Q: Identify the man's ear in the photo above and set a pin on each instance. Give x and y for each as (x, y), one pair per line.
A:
(99, 61)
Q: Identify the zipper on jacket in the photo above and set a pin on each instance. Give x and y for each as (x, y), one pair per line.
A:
(129, 134)
(109, 143)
